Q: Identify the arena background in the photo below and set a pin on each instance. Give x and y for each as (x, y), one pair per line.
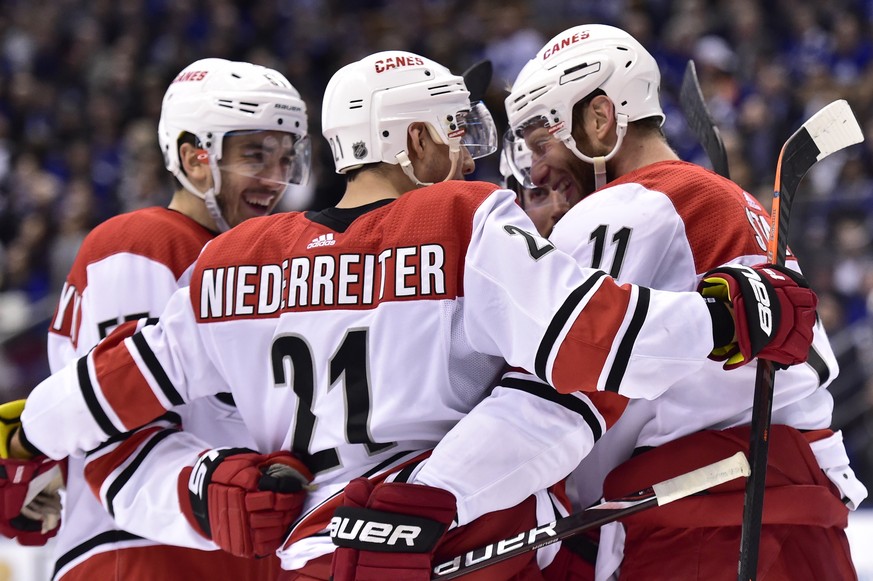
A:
(81, 83)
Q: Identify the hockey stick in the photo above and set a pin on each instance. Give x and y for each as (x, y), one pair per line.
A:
(477, 79)
(595, 516)
(831, 129)
(701, 122)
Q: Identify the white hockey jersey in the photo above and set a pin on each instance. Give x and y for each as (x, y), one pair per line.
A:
(127, 269)
(359, 338)
(664, 226)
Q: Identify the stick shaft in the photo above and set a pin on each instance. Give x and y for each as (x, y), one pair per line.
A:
(598, 515)
(833, 128)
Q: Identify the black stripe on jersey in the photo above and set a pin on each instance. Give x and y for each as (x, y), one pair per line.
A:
(393, 459)
(560, 320)
(91, 399)
(105, 538)
(156, 370)
(622, 355)
(406, 473)
(126, 474)
(547, 392)
(169, 417)
(818, 364)
(225, 398)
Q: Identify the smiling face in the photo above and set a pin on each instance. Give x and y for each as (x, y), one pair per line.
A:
(555, 167)
(256, 168)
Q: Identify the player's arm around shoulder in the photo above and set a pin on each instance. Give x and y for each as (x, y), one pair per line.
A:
(533, 304)
(131, 377)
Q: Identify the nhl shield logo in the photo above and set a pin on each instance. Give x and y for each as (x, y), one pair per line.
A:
(359, 150)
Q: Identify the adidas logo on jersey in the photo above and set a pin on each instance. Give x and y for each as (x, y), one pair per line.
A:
(323, 240)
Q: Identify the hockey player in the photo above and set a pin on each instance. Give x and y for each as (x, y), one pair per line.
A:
(542, 204)
(363, 336)
(587, 106)
(234, 135)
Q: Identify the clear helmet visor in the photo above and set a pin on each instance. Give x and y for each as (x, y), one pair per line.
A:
(477, 130)
(271, 156)
(522, 145)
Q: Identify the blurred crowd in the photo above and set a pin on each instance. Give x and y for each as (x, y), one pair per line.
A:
(81, 83)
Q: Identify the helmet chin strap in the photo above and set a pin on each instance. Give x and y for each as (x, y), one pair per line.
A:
(406, 165)
(209, 197)
(599, 162)
(212, 206)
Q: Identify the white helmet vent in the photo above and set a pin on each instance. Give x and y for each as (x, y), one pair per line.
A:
(522, 101)
(250, 108)
(579, 72)
(445, 89)
(356, 104)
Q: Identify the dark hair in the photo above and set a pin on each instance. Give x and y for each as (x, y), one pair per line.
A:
(191, 139)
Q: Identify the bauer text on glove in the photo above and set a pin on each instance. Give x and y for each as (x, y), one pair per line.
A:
(771, 309)
(389, 531)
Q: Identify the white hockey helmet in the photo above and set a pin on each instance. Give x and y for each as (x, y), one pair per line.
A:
(213, 97)
(369, 104)
(518, 152)
(573, 65)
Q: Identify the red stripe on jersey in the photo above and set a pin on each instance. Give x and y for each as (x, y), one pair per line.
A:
(99, 468)
(590, 339)
(122, 383)
(708, 203)
(609, 405)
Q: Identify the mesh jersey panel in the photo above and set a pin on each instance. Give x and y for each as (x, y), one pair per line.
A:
(468, 369)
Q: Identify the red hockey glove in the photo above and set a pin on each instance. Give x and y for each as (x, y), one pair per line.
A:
(389, 531)
(244, 501)
(32, 482)
(35, 482)
(773, 312)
